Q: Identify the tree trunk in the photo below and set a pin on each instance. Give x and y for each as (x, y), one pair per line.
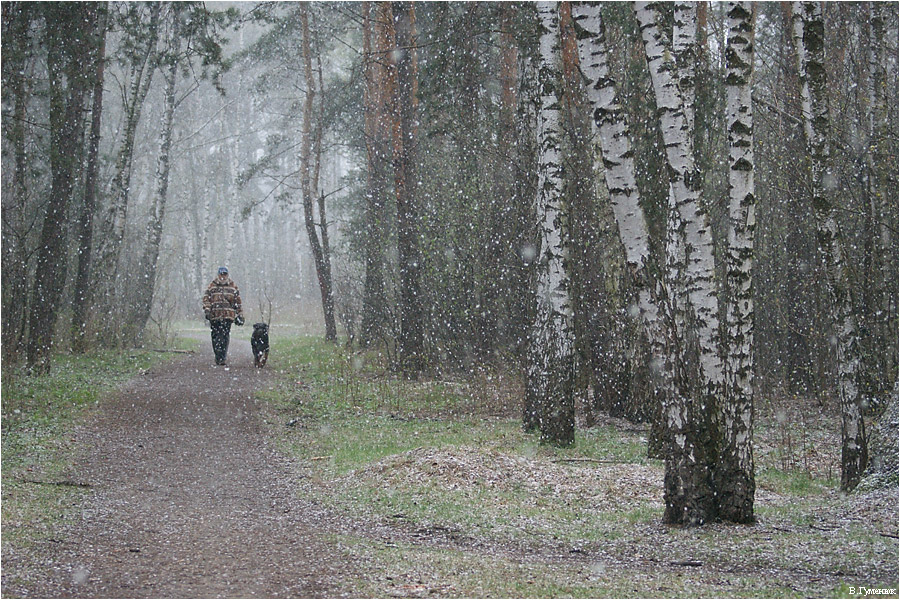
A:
(309, 183)
(595, 293)
(85, 224)
(68, 48)
(882, 469)
(809, 41)
(146, 283)
(515, 207)
(112, 229)
(17, 16)
(735, 481)
(619, 170)
(328, 287)
(204, 241)
(684, 46)
(526, 185)
(696, 437)
(553, 337)
(478, 272)
(411, 343)
(882, 193)
(378, 91)
(524, 189)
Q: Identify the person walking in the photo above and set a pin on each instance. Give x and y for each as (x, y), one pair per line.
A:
(222, 307)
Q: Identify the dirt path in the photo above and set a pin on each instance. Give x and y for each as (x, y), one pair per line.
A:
(190, 500)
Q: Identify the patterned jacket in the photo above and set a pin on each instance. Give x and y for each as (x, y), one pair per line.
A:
(222, 300)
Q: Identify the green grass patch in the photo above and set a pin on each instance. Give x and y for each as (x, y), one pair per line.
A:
(436, 459)
(345, 427)
(795, 483)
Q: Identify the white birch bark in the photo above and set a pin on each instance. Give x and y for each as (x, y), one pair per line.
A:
(682, 467)
(735, 480)
(684, 36)
(685, 187)
(611, 130)
(553, 332)
(684, 47)
(809, 38)
(695, 447)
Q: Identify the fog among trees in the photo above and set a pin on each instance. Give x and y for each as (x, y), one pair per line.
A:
(660, 211)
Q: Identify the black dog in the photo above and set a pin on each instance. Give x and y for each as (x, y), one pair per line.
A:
(259, 341)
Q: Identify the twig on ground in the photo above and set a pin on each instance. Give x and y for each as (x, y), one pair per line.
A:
(686, 563)
(64, 482)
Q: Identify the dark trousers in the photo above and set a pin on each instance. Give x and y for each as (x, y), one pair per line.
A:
(221, 330)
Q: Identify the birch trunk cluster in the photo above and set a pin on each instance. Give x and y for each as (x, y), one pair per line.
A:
(735, 470)
(708, 428)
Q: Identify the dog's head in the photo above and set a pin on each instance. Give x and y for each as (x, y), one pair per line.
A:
(261, 328)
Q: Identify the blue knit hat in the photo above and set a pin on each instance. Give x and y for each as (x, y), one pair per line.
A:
(223, 270)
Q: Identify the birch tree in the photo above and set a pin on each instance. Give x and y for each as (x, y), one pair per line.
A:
(683, 471)
(689, 251)
(809, 43)
(684, 47)
(735, 472)
(684, 197)
(709, 468)
(602, 374)
(882, 190)
(553, 348)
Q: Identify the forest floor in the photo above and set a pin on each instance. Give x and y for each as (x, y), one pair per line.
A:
(319, 477)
